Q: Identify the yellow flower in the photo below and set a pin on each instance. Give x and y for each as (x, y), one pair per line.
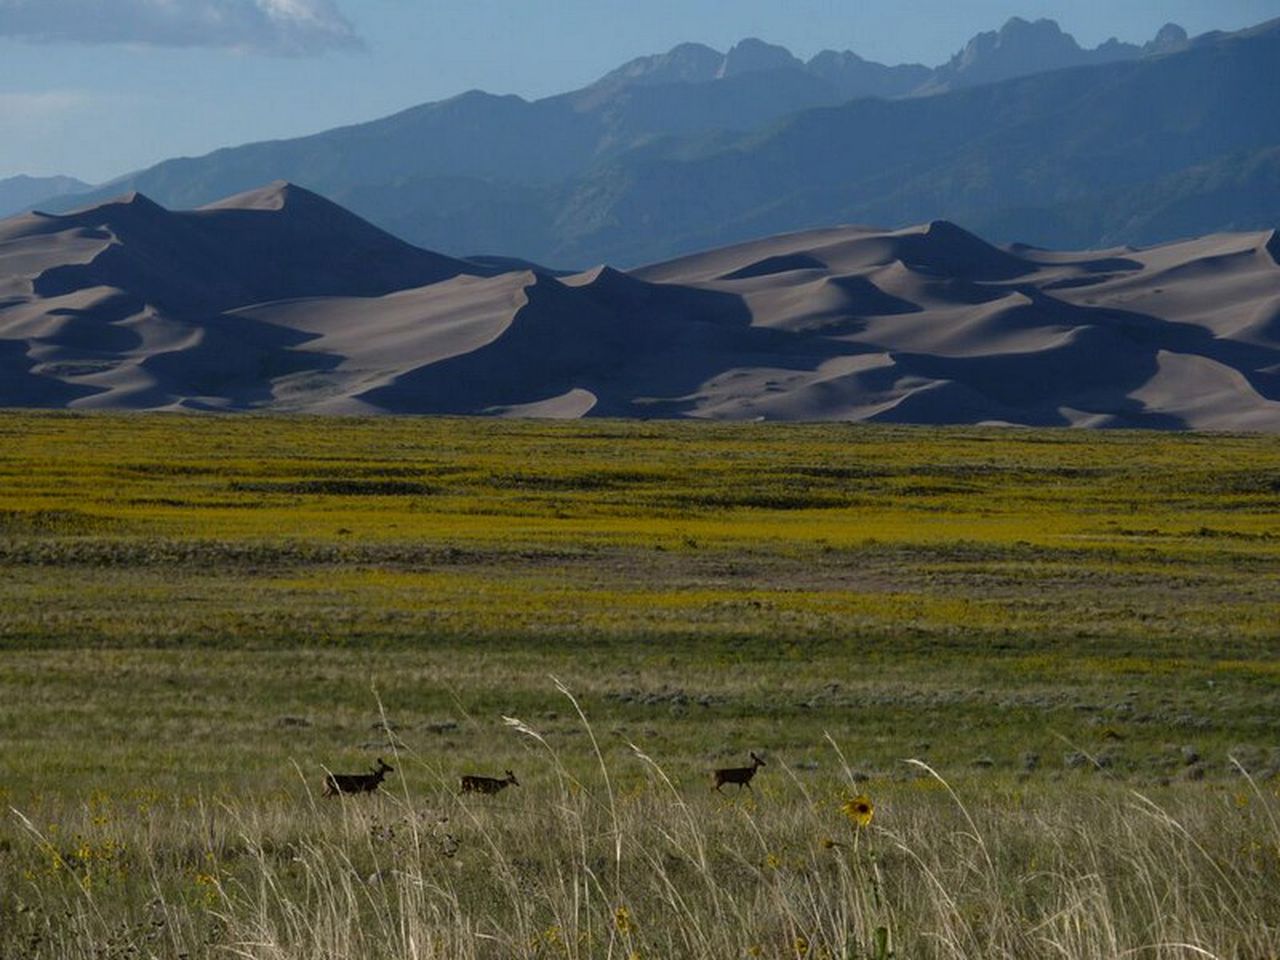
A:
(802, 945)
(207, 883)
(622, 920)
(859, 810)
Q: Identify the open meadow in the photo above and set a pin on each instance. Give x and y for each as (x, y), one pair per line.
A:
(1045, 665)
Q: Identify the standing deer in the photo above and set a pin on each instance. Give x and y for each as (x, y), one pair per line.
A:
(739, 775)
(336, 783)
(471, 783)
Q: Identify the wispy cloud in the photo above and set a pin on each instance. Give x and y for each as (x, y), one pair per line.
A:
(277, 27)
(26, 107)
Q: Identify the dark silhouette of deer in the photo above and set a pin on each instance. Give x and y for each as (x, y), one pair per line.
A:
(471, 783)
(336, 783)
(739, 775)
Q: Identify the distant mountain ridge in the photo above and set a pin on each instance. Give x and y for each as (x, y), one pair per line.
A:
(279, 300)
(20, 193)
(1022, 48)
(1019, 48)
(1087, 157)
(696, 148)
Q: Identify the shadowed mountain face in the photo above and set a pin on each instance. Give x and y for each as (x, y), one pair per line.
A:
(1131, 152)
(279, 300)
(693, 148)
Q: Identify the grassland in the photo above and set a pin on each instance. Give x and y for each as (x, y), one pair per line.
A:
(1078, 632)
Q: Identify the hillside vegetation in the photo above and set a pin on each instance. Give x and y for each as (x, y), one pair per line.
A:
(1072, 635)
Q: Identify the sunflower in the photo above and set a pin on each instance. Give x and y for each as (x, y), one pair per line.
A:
(859, 810)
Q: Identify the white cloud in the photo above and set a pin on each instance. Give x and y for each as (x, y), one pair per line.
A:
(279, 27)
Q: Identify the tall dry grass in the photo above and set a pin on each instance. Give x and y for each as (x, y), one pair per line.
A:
(593, 858)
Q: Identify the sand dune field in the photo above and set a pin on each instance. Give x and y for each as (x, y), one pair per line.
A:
(278, 299)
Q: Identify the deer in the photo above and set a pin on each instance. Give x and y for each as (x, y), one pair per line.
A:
(472, 783)
(337, 783)
(739, 775)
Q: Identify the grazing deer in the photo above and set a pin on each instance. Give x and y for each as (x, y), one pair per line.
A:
(471, 783)
(336, 783)
(739, 775)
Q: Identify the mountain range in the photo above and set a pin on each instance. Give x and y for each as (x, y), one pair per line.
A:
(1023, 136)
(21, 193)
(1019, 48)
(278, 299)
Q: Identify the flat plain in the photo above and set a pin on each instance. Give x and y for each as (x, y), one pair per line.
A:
(1047, 658)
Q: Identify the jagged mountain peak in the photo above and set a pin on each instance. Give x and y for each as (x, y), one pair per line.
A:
(1044, 27)
(1018, 38)
(698, 63)
(825, 57)
(1024, 47)
(1169, 39)
(753, 55)
(684, 63)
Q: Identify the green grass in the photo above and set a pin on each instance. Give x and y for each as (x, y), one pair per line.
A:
(200, 615)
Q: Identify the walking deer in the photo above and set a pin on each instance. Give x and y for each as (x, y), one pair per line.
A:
(336, 783)
(739, 775)
(472, 783)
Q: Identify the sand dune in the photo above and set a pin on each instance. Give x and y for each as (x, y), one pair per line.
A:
(277, 299)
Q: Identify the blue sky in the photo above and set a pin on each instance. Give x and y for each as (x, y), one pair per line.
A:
(96, 88)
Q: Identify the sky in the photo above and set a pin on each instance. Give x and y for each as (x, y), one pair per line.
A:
(98, 88)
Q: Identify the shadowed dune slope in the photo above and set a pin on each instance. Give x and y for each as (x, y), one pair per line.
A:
(277, 299)
(277, 242)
